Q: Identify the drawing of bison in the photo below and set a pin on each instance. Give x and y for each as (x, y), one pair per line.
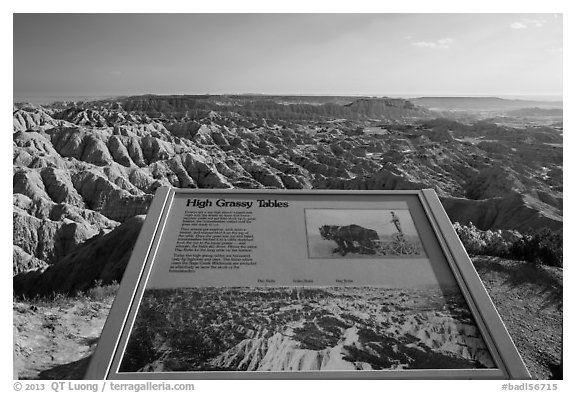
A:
(350, 238)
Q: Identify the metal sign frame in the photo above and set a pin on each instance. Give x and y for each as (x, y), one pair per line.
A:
(105, 361)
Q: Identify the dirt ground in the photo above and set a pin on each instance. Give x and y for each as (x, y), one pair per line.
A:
(529, 301)
(54, 339)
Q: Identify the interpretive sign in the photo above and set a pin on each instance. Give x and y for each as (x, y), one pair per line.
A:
(301, 284)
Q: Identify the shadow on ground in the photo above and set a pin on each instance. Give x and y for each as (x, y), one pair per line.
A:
(73, 370)
(547, 282)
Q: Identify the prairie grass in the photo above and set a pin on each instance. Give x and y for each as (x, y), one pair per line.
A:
(97, 293)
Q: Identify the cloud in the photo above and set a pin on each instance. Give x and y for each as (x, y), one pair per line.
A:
(518, 25)
(443, 43)
(527, 23)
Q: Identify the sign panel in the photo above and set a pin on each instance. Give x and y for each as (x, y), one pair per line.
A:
(301, 284)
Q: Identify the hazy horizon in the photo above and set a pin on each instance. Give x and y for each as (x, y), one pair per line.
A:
(45, 100)
(396, 55)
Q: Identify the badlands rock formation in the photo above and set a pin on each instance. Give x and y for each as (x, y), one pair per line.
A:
(101, 259)
(80, 170)
(277, 329)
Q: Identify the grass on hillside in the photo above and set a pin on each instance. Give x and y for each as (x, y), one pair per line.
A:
(97, 293)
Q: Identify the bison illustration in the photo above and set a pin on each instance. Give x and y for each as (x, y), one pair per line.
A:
(351, 238)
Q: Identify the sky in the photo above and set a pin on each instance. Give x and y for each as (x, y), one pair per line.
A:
(334, 54)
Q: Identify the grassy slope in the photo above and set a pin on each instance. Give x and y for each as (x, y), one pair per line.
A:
(54, 339)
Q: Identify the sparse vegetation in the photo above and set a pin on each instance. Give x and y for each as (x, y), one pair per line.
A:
(100, 292)
(97, 293)
(544, 246)
(479, 242)
(540, 247)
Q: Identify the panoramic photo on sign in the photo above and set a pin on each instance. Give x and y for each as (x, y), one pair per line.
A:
(308, 284)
